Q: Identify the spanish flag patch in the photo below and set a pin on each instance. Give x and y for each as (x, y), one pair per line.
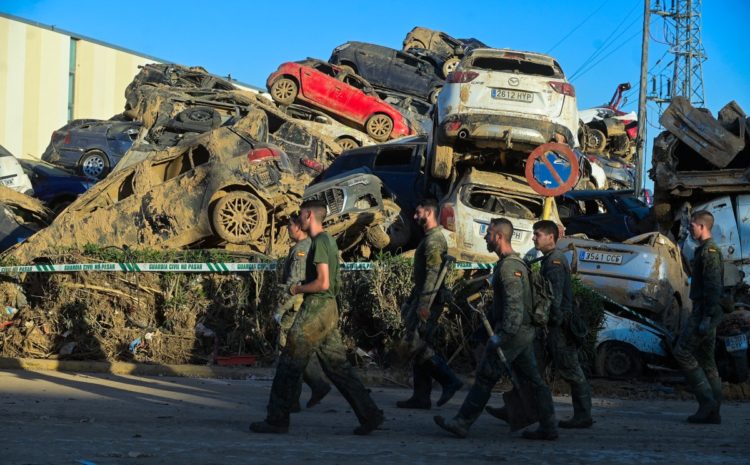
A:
(301, 254)
(518, 273)
(556, 262)
(711, 249)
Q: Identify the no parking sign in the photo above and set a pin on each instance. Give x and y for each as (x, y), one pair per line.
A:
(552, 169)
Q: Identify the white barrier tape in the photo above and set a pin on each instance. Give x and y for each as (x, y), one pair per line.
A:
(205, 267)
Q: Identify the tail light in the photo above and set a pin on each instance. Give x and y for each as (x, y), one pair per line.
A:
(448, 217)
(261, 153)
(312, 164)
(66, 141)
(592, 159)
(460, 77)
(564, 88)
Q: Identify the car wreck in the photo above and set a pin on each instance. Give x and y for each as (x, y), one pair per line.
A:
(222, 188)
(20, 217)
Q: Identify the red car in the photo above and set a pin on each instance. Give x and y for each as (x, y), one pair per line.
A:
(332, 89)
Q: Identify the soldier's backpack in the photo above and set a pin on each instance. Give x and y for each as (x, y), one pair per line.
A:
(541, 293)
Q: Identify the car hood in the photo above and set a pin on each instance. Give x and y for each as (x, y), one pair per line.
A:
(349, 178)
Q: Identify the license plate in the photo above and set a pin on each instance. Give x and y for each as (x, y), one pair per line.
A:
(483, 231)
(7, 181)
(600, 257)
(735, 343)
(515, 95)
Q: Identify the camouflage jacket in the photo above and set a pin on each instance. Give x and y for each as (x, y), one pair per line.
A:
(556, 270)
(511, 301)
(294, 266)
(707, 282)
(428, 260)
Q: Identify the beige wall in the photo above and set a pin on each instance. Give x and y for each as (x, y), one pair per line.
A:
(33, 86)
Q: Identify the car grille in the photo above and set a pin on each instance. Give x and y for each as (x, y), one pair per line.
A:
(334, 199)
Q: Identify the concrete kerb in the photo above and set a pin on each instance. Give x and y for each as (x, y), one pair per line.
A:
(372, 377)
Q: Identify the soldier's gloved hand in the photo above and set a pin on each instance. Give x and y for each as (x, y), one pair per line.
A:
(277, 318)
(704, 325)
(495, 341)
(423, 313)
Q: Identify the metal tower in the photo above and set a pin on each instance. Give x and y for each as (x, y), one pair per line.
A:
(683, 36)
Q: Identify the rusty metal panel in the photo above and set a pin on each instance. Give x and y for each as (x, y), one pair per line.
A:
(701, 132)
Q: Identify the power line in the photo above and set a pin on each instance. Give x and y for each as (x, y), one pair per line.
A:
(577, 27)
(581, 73)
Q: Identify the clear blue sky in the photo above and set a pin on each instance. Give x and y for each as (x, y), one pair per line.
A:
(249, 39)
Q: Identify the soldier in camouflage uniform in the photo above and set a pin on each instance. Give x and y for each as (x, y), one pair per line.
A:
(289, 305)
(417, 314)
(514, 334)
(560, 340)
(315, 331)
(694, 351)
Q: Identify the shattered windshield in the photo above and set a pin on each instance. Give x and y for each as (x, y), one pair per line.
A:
(492, 201)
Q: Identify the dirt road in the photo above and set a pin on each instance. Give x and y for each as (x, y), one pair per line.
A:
(61, 418)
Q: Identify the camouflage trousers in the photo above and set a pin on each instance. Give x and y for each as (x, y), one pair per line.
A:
(313, 374)
(565, 359)
(519, 351)
(695, 350)
(315, 332)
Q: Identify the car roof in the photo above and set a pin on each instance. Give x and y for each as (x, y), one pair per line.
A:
(512, 182)
(574, 194)
(500, 52)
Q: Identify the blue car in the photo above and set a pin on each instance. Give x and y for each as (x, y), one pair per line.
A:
(56, 187)
(91, 147)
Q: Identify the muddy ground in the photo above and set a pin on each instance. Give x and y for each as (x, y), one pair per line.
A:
(62, 418)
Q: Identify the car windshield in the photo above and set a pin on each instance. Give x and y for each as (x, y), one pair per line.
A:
(513, 65)
(495, 202)
(629, 203)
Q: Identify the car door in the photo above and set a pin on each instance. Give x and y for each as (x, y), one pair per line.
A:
(373, 64)
(359, 105)
(324, 89)
(395, 166)
(408, 74)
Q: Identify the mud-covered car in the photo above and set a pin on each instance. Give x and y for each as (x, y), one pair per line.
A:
(389, 69)
(504, 100)
(20, 217)
(359, 214)
(318, 122)
(12, 174)
(338, 92)
(448, 49)
(417, 111)
(91, 147)
(221, 188)
(619, 173)
(646, 273)
(54, 186)
(615, 215)
(479, 196)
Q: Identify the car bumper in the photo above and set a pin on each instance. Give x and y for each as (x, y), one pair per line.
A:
(504, 130)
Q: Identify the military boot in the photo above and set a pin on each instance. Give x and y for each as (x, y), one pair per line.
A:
(470, 410)
(420, 399)
(547, 425)
(716, 389)
(370, 424)
(708, 408)
(445, 376)
(581, 396)
(457, 426)
(501, 413)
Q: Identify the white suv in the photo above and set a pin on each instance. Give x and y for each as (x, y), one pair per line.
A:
(506, 99)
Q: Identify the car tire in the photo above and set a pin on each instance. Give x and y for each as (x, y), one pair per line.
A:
(595, 140)
(94, 164)
(434, 95)
(347, 69)
(200, 116)
(379, 126)
(239, 217)
(442, 162)
(450, 65)
(377, 237)
(413, 44)
(398, 227)
(618, 360)
(284, 91)
(347, 143)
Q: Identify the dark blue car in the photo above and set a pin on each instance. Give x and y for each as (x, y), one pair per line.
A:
(91, 147)
(56, 187)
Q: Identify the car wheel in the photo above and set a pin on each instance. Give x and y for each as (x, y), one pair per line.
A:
(450, 65)
(413, 44)
(618, 360)
(284, 91)
(378, 237)
(442, 162)
(347, 143)
(398, 227)
(379, 127)
(201, 115)
(239, 217)
(94, 164)
(595, 140)
(434, 95)
(347, 69)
